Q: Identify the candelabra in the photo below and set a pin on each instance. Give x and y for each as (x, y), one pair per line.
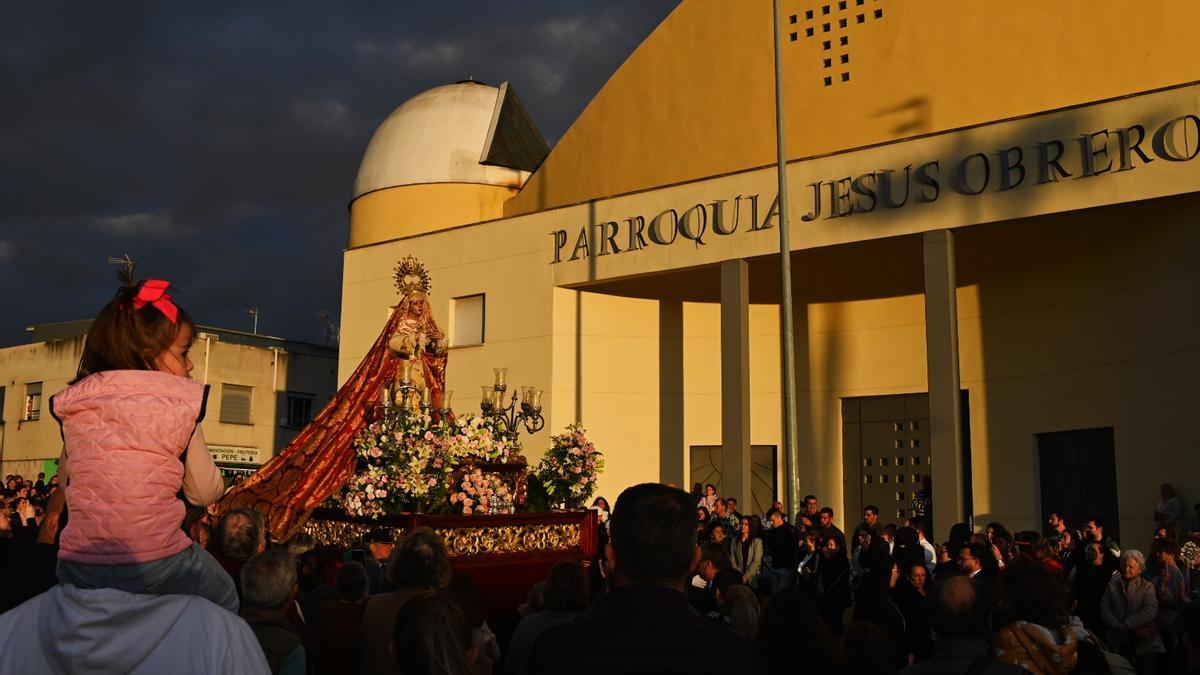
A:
(512, 416)
(395, 402)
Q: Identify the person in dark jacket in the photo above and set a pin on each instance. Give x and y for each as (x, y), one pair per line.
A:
(646, 626)
(781, 551)
(268, 590)
(1090, 581)
(909, 595)
(833, 584)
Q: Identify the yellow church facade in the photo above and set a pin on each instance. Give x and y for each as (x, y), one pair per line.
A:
(995, 251)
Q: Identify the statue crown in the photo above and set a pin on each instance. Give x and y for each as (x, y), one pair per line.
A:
(411, 275)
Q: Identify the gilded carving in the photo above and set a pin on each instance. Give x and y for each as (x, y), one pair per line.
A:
(341, 533)
(460, 541)
(465, 541)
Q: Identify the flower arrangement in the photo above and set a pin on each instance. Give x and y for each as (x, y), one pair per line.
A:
(411, 463)
(405, 462)
(568, 470)
(478, 493)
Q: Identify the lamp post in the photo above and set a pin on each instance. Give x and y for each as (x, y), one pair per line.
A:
(790, 460)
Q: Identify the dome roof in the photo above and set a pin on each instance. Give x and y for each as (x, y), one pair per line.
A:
(441, 135)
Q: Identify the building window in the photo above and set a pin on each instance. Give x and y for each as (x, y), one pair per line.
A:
(33, 402)
(466, 320)
(235, 404)
(299, 410)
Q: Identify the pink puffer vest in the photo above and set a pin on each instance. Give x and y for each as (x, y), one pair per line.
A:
(124, 432)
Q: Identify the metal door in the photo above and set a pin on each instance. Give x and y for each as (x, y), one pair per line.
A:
(885, 448)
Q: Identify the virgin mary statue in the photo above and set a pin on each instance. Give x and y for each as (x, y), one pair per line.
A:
(320, 460)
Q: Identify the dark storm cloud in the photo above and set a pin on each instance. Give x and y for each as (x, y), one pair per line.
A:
(217, 142)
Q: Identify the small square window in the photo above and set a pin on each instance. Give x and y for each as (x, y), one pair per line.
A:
(899, 496)
(825, 45)
(841, 23)
(807, 31)
(898, 443)
(825, 9)
(858, 2)
(879, 14)
(808, 14)
(861, 18)
(899, 461)
(842, 4)
(883, 478)
(916, 443)
(868, 479)
(792, 19)
(883, 461)
(828, 81)
(467, 316)
(900, 513)
(913, 426)
(916, 461)
(236, 403)
(845, 77)
(898, 426)
(792, 36)
(916, 478)
(845, 58)
(867, 461)
(828, 63)
(299, 410)
(844, 40)
(825, 27)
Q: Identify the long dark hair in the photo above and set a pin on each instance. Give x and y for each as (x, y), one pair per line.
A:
(124, 338)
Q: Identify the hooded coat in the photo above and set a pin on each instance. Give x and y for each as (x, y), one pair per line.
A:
(101, 631)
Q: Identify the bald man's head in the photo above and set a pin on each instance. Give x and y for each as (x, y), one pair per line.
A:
(957, 608)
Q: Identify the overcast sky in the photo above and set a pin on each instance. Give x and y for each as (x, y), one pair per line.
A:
(217, 142)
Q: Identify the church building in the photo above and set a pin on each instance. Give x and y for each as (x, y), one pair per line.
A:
(994, 227)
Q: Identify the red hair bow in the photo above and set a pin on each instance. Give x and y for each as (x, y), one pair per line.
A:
(154, 292)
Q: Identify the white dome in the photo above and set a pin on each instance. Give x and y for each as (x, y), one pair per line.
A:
(438, 136)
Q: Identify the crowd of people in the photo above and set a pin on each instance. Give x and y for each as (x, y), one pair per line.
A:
(1066, 600)
(23, 503)
(105, 571)
(687, 585)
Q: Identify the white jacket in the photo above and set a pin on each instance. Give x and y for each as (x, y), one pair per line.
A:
(75, 630)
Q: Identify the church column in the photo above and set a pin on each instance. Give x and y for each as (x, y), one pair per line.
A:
(945, 412)
(670, 393)
(735, 380)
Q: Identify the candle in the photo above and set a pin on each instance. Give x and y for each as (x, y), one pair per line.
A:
(535, 398)
(501, 375)
(385, 396)
(488, 396)
(406, 371)
(425, 395)
(498, 399)
(446, 396)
